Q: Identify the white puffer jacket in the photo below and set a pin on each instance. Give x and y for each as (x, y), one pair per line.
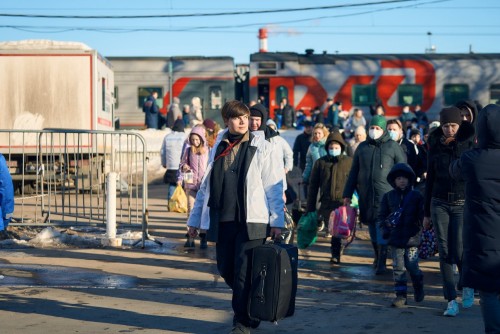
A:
(263, 185)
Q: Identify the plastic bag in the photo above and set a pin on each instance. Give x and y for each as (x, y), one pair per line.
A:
(178, 201)
(307, 230)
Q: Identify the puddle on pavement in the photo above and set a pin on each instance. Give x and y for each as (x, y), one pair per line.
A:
(55, 276)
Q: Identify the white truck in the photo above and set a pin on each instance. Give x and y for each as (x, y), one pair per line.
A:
(51, 84)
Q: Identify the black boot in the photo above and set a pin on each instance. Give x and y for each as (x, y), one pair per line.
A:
(375, 250)
(418, 288)
(189, 242)
(203, 241)
(336, 245)
(382, 258)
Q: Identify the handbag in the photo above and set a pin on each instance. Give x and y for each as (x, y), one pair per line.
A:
(428, 244)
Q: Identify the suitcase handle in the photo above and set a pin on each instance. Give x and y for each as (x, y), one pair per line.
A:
(260, 288)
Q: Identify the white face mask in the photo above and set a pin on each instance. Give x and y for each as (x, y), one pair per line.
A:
(375, 134)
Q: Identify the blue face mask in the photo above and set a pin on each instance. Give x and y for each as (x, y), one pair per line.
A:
(393, 135)
(334, 152)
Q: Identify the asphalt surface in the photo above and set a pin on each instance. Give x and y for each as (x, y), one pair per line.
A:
(169, 289)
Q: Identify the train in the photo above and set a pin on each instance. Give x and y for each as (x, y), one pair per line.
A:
(307, 80)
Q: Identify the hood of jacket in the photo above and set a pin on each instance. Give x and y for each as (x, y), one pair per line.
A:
(401, 169)
(336, 137)
(488, 125)
(468, 105)
(200, 131)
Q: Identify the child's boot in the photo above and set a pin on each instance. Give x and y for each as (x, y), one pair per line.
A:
(399, 301)
(382, 259)
(418, 288)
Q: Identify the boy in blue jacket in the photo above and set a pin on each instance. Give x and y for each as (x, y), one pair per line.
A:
(404, 235)
(6, 198)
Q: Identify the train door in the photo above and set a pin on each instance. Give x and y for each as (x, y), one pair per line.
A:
(263, 92)
(280, 88)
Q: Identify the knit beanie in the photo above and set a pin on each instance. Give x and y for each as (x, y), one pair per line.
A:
(209, 124)
(378, 120)
(258, 110)
(450, 115)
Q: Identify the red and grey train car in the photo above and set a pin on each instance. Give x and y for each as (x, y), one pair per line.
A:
(430, 80)
(306, 80)
(209, 78)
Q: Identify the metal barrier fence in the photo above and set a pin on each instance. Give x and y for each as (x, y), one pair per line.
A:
(60, 176)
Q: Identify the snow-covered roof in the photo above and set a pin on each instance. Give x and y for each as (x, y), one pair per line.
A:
(42, 44)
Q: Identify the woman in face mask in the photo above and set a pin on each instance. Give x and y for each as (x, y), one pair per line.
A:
(395, 130)
(371, 164)
(328, 176)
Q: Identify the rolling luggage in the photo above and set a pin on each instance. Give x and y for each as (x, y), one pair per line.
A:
(274, 281)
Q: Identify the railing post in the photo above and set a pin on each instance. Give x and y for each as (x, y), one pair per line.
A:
(111, 240)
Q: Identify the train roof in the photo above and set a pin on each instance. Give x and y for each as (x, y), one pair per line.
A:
(324, 58)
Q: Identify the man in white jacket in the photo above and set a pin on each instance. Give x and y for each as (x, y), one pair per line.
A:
(239, 198)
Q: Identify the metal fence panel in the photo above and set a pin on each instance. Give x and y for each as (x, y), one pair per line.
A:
(60, 175)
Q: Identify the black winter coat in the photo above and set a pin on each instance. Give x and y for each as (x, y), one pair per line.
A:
(481, 231)
(439, 183)
(371, 164)
(300, 147)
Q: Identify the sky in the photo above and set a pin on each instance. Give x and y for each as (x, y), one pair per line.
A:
(204, 28)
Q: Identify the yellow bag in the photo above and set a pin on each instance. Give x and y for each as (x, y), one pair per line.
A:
(178, 201)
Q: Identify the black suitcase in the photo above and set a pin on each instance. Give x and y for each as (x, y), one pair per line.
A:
(274, 281)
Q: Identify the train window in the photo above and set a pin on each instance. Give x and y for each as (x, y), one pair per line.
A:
(453, 93)
(364, 95)
(495, 93)
(281, 92)
(409, 94)
(144, 92)
(267, 65)
(215, 97)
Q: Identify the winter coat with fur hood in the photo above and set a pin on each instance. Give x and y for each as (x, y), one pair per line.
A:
(195, 162)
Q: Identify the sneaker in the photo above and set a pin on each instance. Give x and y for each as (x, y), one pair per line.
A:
(452, 309)
(335, 260)
(467, 297)
(399, 301)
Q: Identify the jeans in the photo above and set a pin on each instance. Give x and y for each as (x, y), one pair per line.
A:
(234, 261)
(448, 220)
(405, 259)
(171, 189)
(490, 309)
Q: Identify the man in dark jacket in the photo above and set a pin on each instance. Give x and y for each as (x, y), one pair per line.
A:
(301, 145)
(481, 230)
(371, 164)
(287, 114)
(151, 109)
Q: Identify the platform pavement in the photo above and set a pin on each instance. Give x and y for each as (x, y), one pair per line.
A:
(169, 289)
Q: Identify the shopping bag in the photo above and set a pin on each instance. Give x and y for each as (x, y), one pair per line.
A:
(178, 201)
(428, 244)
(307, 230)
